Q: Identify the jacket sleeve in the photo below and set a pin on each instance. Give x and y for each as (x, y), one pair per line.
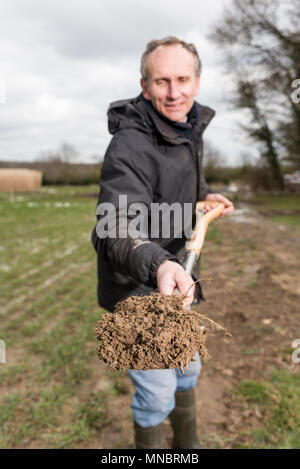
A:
(204, 188)
(128, 170)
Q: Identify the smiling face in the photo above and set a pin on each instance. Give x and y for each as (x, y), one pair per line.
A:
(172, 82)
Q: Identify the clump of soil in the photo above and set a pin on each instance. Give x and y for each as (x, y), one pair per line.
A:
(150, 332)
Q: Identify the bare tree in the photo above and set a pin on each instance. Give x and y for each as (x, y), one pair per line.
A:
(68, 153)
(261, 43)
(213, 157)
(59, 162)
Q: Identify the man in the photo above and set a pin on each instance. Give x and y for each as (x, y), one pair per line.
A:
(155, 156)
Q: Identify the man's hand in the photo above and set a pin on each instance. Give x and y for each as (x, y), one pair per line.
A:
(170, 276)
(229, 207)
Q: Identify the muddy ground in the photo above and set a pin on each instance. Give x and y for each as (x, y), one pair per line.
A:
(255, 294)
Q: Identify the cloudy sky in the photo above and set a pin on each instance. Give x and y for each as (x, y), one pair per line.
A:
(62, 63)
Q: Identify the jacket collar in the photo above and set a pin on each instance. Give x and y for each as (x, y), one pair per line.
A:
(199, 118)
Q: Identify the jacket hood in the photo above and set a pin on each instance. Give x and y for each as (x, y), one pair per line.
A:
(134, 113)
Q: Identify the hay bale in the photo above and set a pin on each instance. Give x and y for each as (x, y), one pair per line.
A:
(20, 180)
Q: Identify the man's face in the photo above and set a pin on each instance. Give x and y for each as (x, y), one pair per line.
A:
(172, 81)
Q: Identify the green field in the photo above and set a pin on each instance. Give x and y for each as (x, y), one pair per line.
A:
(277, 402)
(48, 313)
(283, 209)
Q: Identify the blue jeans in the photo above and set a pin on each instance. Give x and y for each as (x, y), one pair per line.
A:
(154, 398)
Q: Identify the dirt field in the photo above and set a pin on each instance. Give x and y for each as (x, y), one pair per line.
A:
(255, 294)
(56, 393)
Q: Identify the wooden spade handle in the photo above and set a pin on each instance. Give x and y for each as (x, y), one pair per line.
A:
(202, 221)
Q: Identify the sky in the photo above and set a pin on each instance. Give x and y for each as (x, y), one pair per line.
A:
(63, 63)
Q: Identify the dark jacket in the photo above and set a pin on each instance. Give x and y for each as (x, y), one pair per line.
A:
(149, 162)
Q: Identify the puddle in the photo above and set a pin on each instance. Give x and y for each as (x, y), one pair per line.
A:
(244, 214)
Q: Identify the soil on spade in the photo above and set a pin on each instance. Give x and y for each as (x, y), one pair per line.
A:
(150, 332)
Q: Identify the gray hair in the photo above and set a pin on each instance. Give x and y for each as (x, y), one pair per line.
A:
(168, 41)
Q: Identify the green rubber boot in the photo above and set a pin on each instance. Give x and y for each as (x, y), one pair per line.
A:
(183, 421)
(149, 437)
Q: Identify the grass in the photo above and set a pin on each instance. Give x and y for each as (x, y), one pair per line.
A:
(278, 401)
(254, 281)
(214, 234)
(262, 329)
(250, 351)
(48, 312)
(246, 243)
(268, 205)
(288, 220)
(279, 202)
(87, 420)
